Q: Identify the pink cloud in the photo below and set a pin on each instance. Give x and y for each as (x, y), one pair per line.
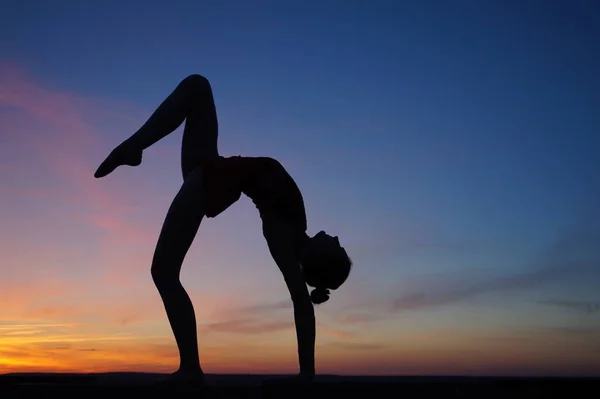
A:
(248, 326)
(359, 318)
(251, 326)
(263, 318)
(54, 137)
(336, 333)
(57, 127)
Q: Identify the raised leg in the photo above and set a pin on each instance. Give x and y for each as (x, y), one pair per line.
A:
(192, 101)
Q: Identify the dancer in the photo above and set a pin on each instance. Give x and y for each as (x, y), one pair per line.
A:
(212, 183)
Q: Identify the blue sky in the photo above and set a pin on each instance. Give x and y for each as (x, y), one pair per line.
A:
(450, 144)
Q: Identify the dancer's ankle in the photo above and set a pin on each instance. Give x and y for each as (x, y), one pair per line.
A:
(185, 369)
(130, 145)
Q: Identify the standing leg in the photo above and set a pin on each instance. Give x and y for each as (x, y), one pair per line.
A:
(178, 232)
(192, 101)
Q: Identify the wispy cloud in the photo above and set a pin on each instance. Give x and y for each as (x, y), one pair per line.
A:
(248, 326)
(363, 346)
(577, 331)
(360, 318)
(449, 295)
(579, 306)
(264, 318)
(261, 308)
(574, 254)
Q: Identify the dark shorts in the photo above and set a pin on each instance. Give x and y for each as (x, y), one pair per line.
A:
(263, 180)
(222, 184)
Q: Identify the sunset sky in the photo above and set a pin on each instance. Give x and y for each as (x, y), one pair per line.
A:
(451, 145)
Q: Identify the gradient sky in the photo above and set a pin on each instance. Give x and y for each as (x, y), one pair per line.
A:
(452, 145)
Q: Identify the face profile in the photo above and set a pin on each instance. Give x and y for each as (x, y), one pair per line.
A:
(326, 264)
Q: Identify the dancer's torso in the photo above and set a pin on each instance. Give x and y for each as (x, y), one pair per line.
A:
(264, 180)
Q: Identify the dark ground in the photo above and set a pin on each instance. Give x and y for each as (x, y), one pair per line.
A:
(331, 387)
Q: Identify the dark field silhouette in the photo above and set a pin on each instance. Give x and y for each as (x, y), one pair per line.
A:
(263, 386)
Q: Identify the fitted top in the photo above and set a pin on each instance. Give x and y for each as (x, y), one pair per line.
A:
(264, 180)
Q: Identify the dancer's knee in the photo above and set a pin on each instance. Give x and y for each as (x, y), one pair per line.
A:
(163, 276)
(197, 83)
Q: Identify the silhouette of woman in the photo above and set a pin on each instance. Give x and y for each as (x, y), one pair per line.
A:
(212, 183)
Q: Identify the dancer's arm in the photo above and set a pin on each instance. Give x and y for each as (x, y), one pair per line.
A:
(304, 317)
(278, 237)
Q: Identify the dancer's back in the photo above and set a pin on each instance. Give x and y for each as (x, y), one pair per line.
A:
(262, 179)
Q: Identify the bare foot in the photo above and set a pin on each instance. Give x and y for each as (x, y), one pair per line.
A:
(124, 154)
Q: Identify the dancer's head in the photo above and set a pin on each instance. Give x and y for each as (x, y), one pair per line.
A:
(325, 265)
